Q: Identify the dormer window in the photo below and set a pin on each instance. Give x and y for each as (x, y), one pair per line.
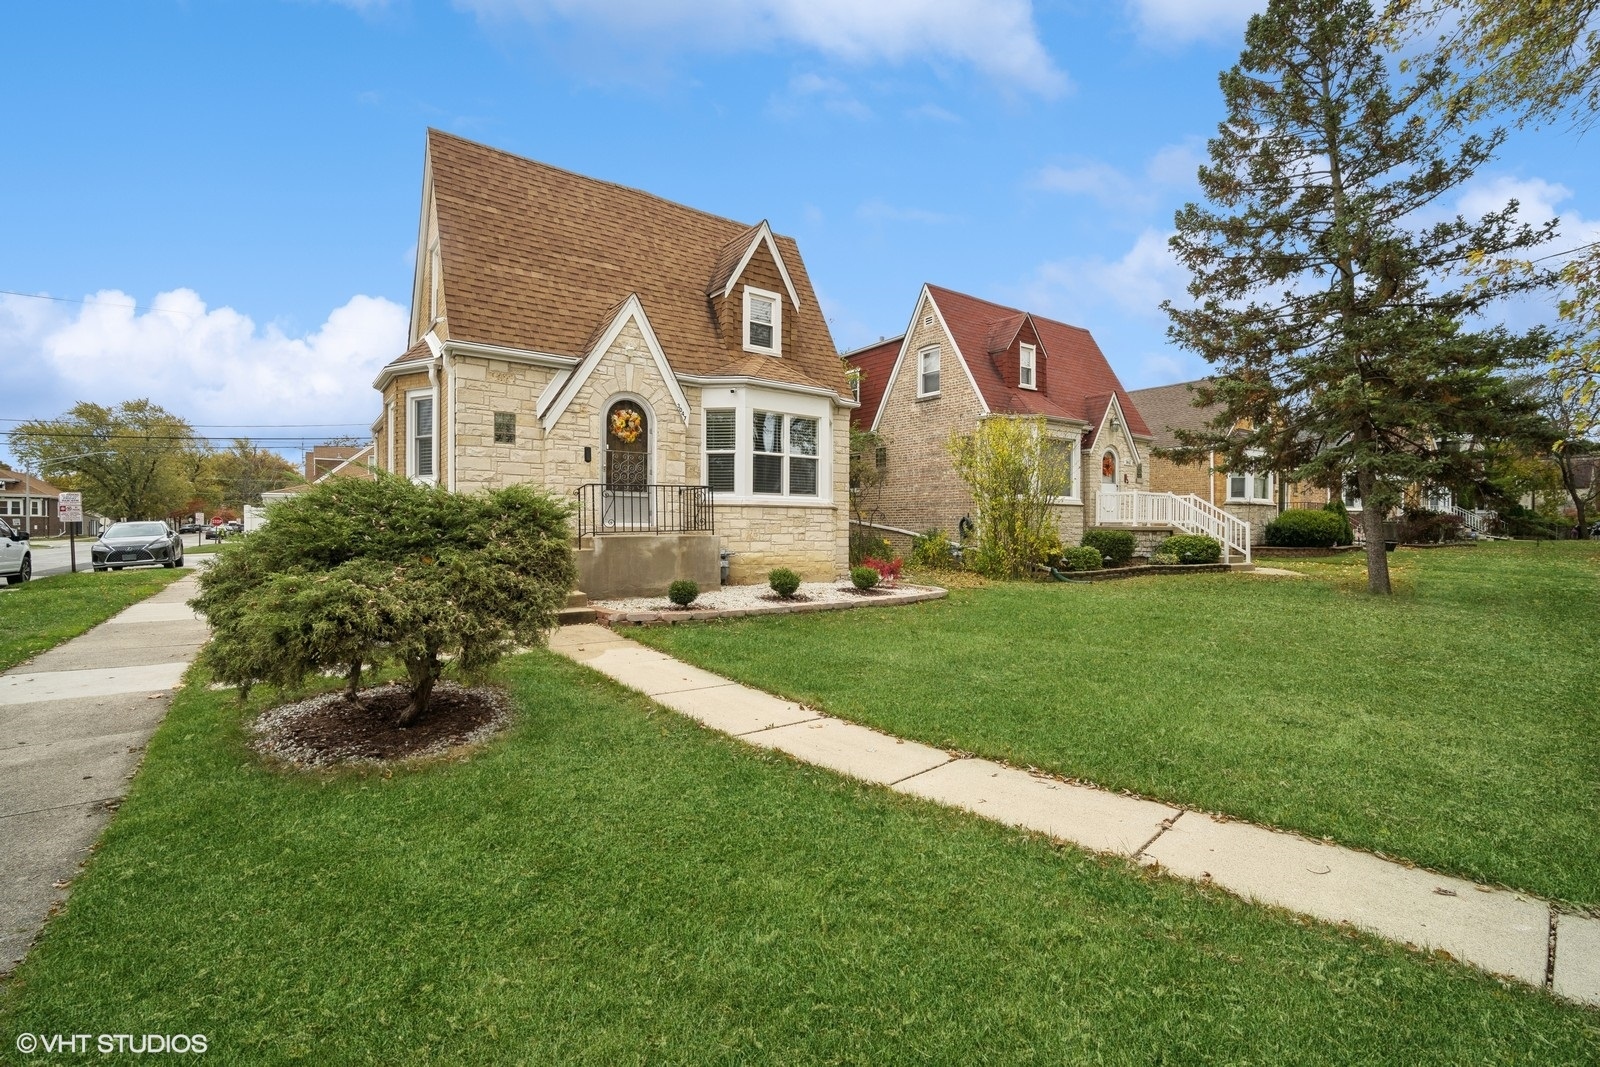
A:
(1025, 368)
(763, 322)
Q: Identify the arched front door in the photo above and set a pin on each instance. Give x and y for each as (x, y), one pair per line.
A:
(627, 467)
(1107, 503)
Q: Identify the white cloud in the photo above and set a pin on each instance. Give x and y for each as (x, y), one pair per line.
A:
(934, 112)
(1134, 285)
(877, 210)
(1172, 167)
(831, 94)
(1182, 21)
(1538, 201)
(998, 37)
(208, 365)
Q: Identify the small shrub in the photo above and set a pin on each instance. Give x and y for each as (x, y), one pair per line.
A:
(1082, 558)
(864, 577)
(1421, 526)
(931, 549)
(1114, 546)
(1159, 558)
(1347, 534)
(682, 592)
(783, 581)
(1307, 529)
(888, 570)
(864, 543)
(1191, 548)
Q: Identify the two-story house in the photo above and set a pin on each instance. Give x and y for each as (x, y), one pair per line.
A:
(962, 360)
(668, 370)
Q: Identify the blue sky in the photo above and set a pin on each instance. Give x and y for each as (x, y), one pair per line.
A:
(233, 187)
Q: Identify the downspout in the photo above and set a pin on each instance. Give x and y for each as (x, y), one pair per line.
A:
(433, 386)
(388, 419)
(1211, 477)
(450, 408)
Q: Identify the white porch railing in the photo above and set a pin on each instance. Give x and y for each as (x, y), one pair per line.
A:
(1188, 513)
(1479, 520)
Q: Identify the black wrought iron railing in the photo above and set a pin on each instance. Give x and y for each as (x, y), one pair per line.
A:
(643, 508)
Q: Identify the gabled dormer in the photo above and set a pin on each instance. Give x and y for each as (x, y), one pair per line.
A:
(753, 297)
(1018, 354)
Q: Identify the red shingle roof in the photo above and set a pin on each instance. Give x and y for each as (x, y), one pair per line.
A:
(1078, 372)
(876, 363)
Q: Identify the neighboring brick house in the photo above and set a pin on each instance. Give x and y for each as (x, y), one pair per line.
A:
(1253, 496)
(29, 503)
(963, 359)
(323, 459)
(666, 369)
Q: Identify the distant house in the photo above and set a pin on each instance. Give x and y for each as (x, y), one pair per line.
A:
(322, 459)
(358, 463)
(962, 360)
(668, 371)
(29, 503)
(1256, 496)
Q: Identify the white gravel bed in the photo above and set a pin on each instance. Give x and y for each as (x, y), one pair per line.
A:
(730, 597)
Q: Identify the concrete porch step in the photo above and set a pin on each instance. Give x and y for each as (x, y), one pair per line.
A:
(577, 610)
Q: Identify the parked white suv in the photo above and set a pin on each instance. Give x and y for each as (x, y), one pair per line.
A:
(16, 561)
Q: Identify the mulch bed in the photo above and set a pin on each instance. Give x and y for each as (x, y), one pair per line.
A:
(328, 730)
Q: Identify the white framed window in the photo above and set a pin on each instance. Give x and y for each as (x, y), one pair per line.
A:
(1066, 448)
(36, 507)
(1352, 494)
(1025, 367)
(421, 460)
(14, 508)
(763, 322)
(1250, 487)
(783, 455)
(928, 371)
(721, 448)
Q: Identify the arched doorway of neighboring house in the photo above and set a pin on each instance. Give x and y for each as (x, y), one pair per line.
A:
(1107, 503)
(627, 467)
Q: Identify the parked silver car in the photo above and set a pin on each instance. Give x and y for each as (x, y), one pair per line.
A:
(16, 558)
(137, 544)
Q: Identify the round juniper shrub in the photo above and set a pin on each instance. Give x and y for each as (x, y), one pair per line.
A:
(683, 592)
(1304, 528)
(784, 581)
(1192, 548)
(1115, 546)
(1082, 558)
(864, 578)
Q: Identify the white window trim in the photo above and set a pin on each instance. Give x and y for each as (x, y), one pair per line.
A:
(435, 283)
(412, 396)
(1250, 483)
(1077, 472)
(787, 456)
(745, 401)
(938, 353)
(777, 322)
(706, 453)
(1028, 359)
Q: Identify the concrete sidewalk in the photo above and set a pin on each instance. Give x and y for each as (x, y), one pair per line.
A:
(73, 726)
(1511, 934)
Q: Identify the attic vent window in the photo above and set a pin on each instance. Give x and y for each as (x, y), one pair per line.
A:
(1025, 368)
(927, 320)
(763, 322)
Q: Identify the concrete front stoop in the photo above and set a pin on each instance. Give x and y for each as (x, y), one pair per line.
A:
(577, 610)
(1511, 934)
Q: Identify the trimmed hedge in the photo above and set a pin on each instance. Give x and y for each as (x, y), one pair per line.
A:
(783, 581)
(1307, 529)
(1080, 559)
(1114, 546)
(864, 577)
(1191, 548)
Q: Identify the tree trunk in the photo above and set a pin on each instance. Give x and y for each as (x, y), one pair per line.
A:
(353, 677)
(423, 671)
(1569, 482)
(1372, 525)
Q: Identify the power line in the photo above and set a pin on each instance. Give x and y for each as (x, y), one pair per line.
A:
(184, 438)
(255, 426)
(100, 303)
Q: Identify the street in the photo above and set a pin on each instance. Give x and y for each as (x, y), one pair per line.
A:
(53, 557)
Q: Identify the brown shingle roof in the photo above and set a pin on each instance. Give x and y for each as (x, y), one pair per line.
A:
(1171, 407)
(19, 482)
(534, 256)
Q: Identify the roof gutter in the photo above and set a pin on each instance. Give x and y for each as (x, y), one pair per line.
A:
(768, 383)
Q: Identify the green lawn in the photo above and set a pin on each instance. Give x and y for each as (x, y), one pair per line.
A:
(1454, 725)
(611, 884)
(47, 611)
